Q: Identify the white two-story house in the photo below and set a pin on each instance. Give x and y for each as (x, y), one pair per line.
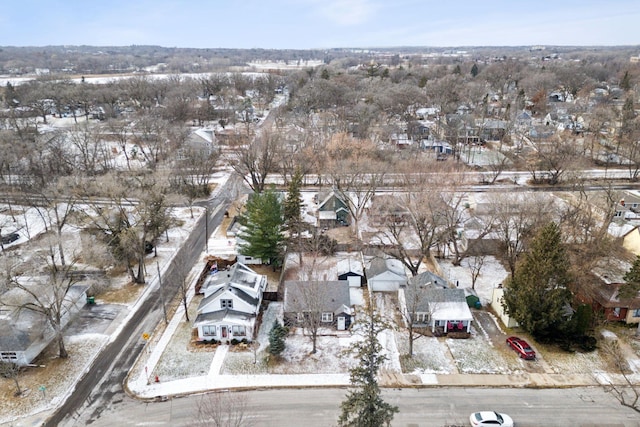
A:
(230, 305)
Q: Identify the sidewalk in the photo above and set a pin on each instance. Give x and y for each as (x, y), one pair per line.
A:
(140, 386)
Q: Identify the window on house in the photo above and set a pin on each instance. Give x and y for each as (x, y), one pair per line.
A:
(421, 317)
(618, 214)
(209, 331)
(8, 355)
(226, 303)
(616, 311)
(300, 317)
(636, 312)
(238, 331)
(327, 317)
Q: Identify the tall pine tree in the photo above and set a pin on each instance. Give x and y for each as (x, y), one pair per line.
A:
(262, 233)
(277, 336)
(363, 406)
(538, 294)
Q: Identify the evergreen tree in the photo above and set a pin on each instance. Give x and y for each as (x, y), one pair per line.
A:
(262, 234)
(363, 406)
(276, 338)
(474, 70)
(632, 281)
(537, 294)
(625, 83)
(628, 116)
(293, 205)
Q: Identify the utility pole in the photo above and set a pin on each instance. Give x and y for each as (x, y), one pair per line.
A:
(164, 307)
(206, 229)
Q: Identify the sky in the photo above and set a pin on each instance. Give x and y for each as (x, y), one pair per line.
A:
(318, 24)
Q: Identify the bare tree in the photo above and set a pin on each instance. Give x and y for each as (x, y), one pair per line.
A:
(356, 174)
(310, 296)
(182, 270)
(223, 409)
(516, 218)
(414, 304)
(11, 370)
(91, 154)
(628, 394)
(150, 133)
(254, 160)
(138, 213)
(48, 295)
(416, 227)
(55, 204)
(192, 171)
(554, 159)
(121, 131)
(475, 264)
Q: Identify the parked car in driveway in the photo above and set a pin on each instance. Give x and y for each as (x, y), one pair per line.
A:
(521, 347)
(10, 238)
(490, 418)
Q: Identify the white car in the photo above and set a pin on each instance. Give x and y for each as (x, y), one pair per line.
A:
(490, 418)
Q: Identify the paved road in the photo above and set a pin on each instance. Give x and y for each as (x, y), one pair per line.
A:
(433, 407)
(101, 388)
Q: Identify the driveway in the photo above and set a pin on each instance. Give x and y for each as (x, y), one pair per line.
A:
(487, 324)
(95, 319)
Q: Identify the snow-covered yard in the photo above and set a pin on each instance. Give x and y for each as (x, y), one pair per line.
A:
(184, 360)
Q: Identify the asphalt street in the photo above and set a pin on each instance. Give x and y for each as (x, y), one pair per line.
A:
(101, 388)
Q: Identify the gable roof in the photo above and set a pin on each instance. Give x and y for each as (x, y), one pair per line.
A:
(227, 315)
(379, 266)
(428, 278)
(236, 292)
(350, 265)
(330, 201)
(238, 276)
(333, 297)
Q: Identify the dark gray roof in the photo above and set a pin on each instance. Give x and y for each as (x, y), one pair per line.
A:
(446, 295)
(428, 278)
(332, 295)
(381, 265)
(14, 339)
(216, 316)
(418, 297)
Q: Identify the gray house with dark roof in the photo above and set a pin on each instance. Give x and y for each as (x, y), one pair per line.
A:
(330, 300)
(441, 308)
(24, 334)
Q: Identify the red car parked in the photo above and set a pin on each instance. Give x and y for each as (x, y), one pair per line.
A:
(523, 349)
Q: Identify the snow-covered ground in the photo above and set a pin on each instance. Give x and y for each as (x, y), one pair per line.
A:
(182, 366)
(492, 273)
